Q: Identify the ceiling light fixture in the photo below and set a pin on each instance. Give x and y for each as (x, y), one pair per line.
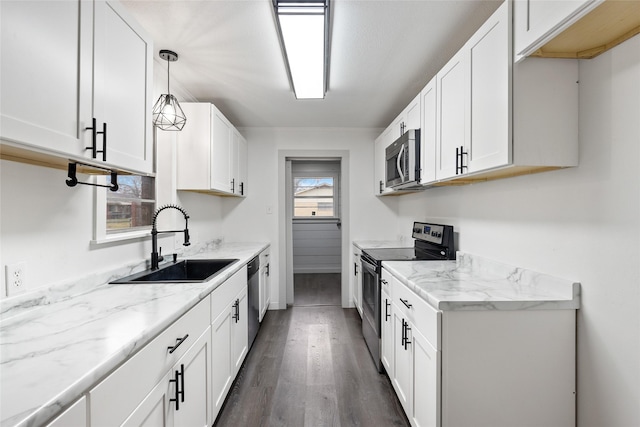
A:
(167, 114)
(303, 30)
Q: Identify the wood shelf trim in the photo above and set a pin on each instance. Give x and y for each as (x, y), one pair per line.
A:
(605, 27)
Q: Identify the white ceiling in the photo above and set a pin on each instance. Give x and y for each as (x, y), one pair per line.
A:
(382, 53)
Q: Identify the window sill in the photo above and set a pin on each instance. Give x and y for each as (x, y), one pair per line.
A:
(122, 237)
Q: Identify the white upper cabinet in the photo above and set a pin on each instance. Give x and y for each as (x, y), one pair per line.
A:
(452, 114)
(239, 164)
(498, 119)
(489, 65)
(380, 161)
(122, 86)
(66, 63)
(211, 152)
(428, 132)
(537, 21)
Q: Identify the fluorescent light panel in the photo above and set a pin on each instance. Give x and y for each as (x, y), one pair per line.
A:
(302, 27)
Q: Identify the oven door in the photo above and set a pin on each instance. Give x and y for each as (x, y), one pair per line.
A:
(371, 310)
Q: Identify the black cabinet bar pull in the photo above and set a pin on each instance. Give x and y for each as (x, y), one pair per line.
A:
(236, 306)
(386, 310)
(406, 338)
(384, 282)
(181, 382)
(94, 139)
(233, 185)
(177, 390)
(406, 303)
(381, 188)
(242, 188)
(179, 341)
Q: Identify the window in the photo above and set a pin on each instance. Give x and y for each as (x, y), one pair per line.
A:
(126, 213)
(314, 197)
(132, 206)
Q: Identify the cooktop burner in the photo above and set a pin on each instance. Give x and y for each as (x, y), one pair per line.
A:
(432, 242)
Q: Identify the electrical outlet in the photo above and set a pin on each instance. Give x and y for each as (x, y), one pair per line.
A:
(16, 278)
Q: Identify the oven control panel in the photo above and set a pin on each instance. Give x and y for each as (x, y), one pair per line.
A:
(433, 233)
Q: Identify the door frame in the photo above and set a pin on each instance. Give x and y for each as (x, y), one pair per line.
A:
(285, 229)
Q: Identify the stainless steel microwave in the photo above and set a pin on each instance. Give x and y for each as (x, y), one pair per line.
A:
(403, 161)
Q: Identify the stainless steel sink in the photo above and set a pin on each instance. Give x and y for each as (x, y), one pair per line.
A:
(187, 271)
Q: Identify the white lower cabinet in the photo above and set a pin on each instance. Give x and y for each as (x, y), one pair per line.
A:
(182, 397)
(493, 368)
(131, 394)
(229, 335)
(265, 282)
(386, 321)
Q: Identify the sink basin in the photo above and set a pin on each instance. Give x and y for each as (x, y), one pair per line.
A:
(186, 271)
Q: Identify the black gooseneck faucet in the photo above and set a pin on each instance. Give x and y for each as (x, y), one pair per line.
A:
(155, 258)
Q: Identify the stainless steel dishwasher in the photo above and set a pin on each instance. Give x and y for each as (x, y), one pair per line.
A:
(253, 285)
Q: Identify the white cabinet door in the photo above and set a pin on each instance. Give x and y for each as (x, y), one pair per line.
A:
(195, 396)
(156, 410)
(182, 397)
(221, 373)
(221, 154)
(265, 285)
(453, 112)
(241, 168)
(240, 336)
(426, 387)
(490, 121)
(75, 416)
(403, 360)
(45, 74)
(122, 87)
(412, 114)
(380, 161)
(388, 342)
(428, 132)
(537, 21)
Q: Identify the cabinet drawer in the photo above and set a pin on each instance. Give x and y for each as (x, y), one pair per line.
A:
(117, 396)
(424, 317)
(223, 294)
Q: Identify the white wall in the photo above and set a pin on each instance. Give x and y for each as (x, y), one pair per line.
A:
(248, 220)
(581, 224)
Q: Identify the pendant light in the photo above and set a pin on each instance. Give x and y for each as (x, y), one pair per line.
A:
(167, 114)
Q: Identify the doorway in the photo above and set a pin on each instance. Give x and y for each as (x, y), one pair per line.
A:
(316, 231)
(315, 226)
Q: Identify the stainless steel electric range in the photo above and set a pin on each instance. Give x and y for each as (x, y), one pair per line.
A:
(433, 242)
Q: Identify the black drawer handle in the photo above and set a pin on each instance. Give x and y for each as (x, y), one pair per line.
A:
(386, 310)
(384, 282)
(179, 341)
(236, 315)
(406, 303)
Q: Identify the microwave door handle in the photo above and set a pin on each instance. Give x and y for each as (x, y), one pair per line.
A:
(399, 161)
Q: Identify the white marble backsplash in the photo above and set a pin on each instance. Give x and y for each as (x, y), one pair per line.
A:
(54, 292)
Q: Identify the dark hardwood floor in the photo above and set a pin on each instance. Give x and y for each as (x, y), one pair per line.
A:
(309, 366)
(316, 289)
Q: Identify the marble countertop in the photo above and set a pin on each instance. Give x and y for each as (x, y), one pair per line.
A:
(377, 244)
(476, 283)
(56, 344)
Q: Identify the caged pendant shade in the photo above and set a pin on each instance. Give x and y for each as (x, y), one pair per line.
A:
(167, 114)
